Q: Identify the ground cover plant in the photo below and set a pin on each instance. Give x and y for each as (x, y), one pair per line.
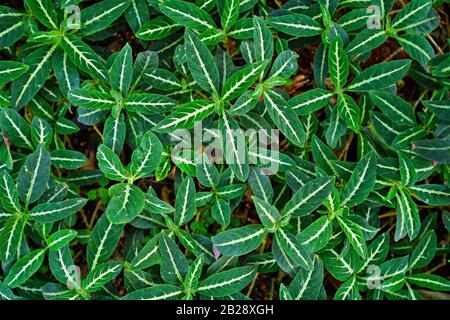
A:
(224, 149)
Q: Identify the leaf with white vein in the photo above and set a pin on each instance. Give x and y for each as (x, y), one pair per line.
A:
(34, 175)
(294, 24)
(185, 116)
(379, 76)
(101, 275)
(24, 268)
(187, 14)
(102, 241)
(84, 57)
(226, 282)
(127, 202)
(121, 70)
(201, 63)
(285, 118)
(184, 206)
(54, 211)
(361, 181)
(11, 70)
(239, 241)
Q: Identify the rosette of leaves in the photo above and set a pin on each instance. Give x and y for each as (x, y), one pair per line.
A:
(33, 199)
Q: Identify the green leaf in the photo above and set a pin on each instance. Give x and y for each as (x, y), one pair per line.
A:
(424, 252)
(187, 14)
(174, 265)
(309, 197)
(44, 11)
(307, 284)
(317, 234)
(194, 273)
(207, 173)
(61, 266)
(103, 241)
(121, 70)
(54, 211)
(146, 156)
(101, 275)
(100, 15)
(221, 212)
(436, 150)
(440, 108)
(338, 63)
(8, 194)
(91, 99)
(24, 268)
(226, 282)
(34, 175)
(230, 14)
(147, 256)
(417, 48)
(158, 292)
(110, 165)
(310, 101)
(114, 132)
(340, 265)
(185, 116)
(149, 103)
(263, 40)
(349, 111)
(241, 80)
(84, 57)
(323, 155)
(408, 175)
(295, 250)
(16, 128)
(380, 76)
(154, 205)
(297, 25)
(430, 281)
(12, 28)
(127, 201)
(349, 290)
(285, 118)
(232, 191)
(260, 184)
(365, 41)
(432, 194)
(184, 206)
(408, 220)
(267, 213)
(137, 14)
(234, 147)
(158, 28)
(60, 239)
(25, 88)
(11, 70)
(11, 238)
(68, 159)
(162, 79)
(361, 181)
(354, 235)
(239, 241)
(412, 12)
(201, 63)
(394, 107)
(41, 132)
(285, 65)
